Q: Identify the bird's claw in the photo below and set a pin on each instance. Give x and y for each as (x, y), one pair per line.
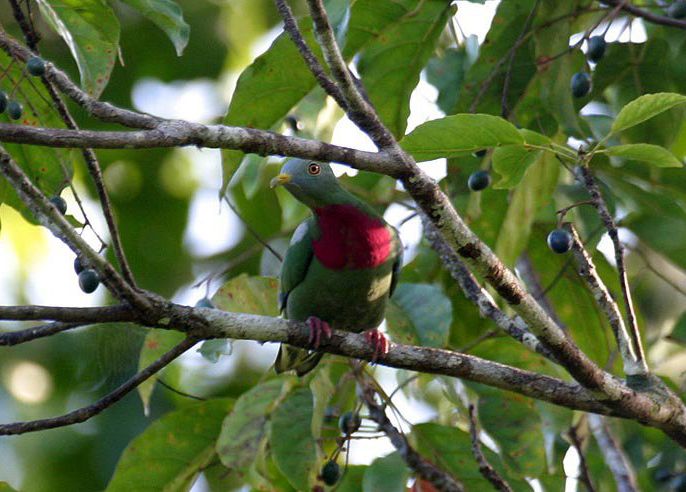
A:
(317, 328)
(380, 343)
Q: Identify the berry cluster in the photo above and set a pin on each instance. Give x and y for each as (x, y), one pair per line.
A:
(36, 67)
(581, 81)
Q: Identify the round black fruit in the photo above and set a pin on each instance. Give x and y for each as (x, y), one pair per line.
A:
(349, 422)
(88, 280)
(479, 180)
(581, 84)
(331, 472)
(677, 10)
(78, 266)
(560, 241)
(3, 101)
(59, 202)
(204, 303)
(15, 109)
(596, 48)
(36, 66)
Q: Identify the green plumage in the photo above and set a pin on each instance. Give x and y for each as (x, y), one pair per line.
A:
(348, 297)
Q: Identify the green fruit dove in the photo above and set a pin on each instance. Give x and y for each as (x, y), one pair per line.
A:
(340, 268)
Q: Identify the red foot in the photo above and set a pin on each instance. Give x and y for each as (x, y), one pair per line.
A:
(317, 328)
(379, 342)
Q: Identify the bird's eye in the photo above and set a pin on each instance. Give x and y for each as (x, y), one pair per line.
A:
(314, 169)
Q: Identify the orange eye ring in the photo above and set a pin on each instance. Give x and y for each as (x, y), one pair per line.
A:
(314, 169)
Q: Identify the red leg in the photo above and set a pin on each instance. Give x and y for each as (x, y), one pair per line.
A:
(379, 342)
(317, 327)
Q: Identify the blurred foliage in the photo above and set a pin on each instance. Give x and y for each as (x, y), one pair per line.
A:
(276, 433)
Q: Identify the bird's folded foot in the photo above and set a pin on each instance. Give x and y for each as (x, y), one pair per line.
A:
(317, 328)
(379, 341)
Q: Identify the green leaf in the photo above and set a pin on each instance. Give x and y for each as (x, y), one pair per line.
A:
(167, 15)
(652, 154)
(419, 314)
(391, 64)
(352, 478)
(528, 199)
(91, 30)
(170, 453)
(156, 343)
(458, 134)
(446, 73)
(246, 294)
(511, 162)
(5, 487)
(291, 438)
(245, 428)
(212, 350)
(678, 333)
(644, 108)
(386, 474)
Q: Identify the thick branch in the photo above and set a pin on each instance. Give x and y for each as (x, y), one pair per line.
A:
(616, 460)
(85, 413)
(587, 271)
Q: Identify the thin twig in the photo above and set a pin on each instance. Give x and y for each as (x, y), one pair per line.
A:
(646, 15)
(177, 391)
(578, 444)
(649, 265)
(252, 230)
(85, 413)
(606, 217)
(485, 467)
(587, 271)
(440, 479)
(616, 460)
(21, 336)
(290, 25)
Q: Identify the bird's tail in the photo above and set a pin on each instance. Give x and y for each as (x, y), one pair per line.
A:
(300, 360)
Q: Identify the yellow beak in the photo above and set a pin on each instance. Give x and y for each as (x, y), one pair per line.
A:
(279, 180)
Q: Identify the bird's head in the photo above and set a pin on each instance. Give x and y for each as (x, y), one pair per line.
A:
(312, 183)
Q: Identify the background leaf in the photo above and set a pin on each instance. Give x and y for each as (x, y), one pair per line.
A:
(419, 314)
(652, 154)
(645, 107)
(167, 15)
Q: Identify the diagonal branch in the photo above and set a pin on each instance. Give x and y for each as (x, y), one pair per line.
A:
(616, 460)
(85, 413)
(587, 271)
(485, 467)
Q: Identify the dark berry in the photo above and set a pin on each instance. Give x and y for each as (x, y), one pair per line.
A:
(15, 109)
(349, 422)
(3, 101)
(205, 303)
(36, 66)
(78, 266)
(88, 280)
(560, 241)
(479, 153)
(596, 48)
(479, 180)
(331, 472)
(581, 84)
(59, 202)
(293, 123)
(677, 10)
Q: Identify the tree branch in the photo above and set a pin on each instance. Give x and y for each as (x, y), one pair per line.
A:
(587, 271)
(85, 413)
(440, 479)
(485, 467)
(646, 15)
(606, 217)
(616, 460)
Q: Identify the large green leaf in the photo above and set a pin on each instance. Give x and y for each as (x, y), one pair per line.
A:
(390, 65)
(652, 154)
(386, 474)
(458, 134)
(291, 439)
(512, 162)
(172, 451)
(5, 487)
(244, 430)
(156, 343)
(678, 333)
(91, 30)
(645, 107)
(167, 15)
(246, 294)
(419, 314)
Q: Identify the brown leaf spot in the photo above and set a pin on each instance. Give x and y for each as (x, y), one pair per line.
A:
(152, 344)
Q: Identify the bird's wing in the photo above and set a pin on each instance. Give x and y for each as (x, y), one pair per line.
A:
(397, 265)
(297, 260)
